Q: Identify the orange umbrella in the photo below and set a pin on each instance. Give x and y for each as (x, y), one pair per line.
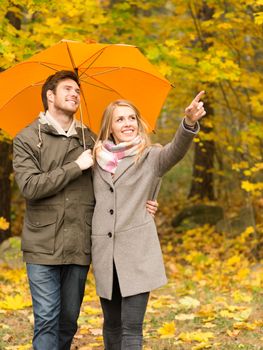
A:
(107, 72)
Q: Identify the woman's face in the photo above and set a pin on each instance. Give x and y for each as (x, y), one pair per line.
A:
(124, 125)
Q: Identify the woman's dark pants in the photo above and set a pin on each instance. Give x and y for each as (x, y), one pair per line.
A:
(123, 319)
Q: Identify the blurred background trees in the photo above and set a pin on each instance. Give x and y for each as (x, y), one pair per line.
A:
(212, 45)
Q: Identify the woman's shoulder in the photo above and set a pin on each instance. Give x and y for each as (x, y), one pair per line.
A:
(152, 151)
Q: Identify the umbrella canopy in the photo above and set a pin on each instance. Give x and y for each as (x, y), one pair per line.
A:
(107, 72)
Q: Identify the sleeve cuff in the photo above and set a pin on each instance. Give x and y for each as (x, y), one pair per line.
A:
(195, 129)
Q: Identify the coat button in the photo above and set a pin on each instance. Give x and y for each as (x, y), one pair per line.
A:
(111, 211)
(111, 189)
(110, 234)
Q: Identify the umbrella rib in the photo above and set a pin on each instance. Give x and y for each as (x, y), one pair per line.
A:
(20, 92)
(100, 73)
(72, 60)
(106, 71)
(48, 66)
(105, 87)
(98, 86)
(97, 55)
(131, 68)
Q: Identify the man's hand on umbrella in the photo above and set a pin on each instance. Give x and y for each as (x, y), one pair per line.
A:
(85, 160)
(195, 110)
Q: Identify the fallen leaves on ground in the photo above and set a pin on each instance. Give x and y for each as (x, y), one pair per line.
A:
(213, 300)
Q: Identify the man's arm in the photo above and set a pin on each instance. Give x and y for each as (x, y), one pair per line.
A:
(36, 184)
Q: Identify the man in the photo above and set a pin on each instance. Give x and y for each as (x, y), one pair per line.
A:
(53, 173)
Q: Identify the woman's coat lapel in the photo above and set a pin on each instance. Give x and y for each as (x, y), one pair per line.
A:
(122, 167)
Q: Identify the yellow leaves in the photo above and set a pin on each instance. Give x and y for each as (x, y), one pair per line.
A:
(153, 53)
(15, 276)
(4, 225)
(256, 101)
(53, 22)
(91, 346)
(167, 330)
(201, 346)
(253, 188)
(189, 303)
(226, 26)
(199, 336)
(207, 311)
(234, 260)
(185, 317)
(217, 65)
(245, 325)
(241, 315)
(257, 167)
(19, 347)
(238, 296)
(233, 333)
(16, 302)
(172, 43)
(165, 69)
(92, 311)
(240, 165)
(259, 18)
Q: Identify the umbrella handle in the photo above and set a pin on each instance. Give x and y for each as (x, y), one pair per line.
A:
(82, 127)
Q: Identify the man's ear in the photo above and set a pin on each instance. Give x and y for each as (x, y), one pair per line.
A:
(50, 96)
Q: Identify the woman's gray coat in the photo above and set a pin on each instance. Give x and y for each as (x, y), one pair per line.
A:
(122, 229)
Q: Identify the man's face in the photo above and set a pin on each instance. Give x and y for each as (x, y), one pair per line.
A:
(66, 98)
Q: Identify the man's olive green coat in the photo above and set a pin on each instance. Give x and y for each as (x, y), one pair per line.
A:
(59, 196)
(122, 229)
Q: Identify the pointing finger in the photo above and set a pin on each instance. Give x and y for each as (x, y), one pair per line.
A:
(198, 96)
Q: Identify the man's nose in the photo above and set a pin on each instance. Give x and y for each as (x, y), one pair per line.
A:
(74, 93)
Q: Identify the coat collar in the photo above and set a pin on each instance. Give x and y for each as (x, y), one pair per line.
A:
(48, 127)
(122, 167)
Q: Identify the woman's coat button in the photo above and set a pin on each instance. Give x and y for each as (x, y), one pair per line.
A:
(110, 234)
(111, 211)
(111, 189)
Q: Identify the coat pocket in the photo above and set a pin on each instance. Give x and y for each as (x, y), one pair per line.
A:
(39, 231)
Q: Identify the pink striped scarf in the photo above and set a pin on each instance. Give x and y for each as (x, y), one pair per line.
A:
(108, 154)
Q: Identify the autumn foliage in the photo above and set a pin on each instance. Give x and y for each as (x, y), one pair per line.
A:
(214, 296)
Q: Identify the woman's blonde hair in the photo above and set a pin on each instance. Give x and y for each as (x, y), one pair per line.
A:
(106, 122)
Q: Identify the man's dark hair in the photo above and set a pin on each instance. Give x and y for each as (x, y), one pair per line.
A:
(52, 82)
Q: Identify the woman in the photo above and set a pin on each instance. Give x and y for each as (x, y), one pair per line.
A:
(127, 259)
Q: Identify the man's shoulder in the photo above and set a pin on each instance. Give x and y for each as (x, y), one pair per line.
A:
(90, 136)
(28, 131)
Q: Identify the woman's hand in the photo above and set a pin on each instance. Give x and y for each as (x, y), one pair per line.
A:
(195, 110)
(152, 207)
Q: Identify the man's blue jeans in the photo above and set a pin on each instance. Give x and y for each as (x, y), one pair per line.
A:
(57, 293)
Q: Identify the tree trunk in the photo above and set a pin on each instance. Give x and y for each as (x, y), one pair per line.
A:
(5, 189)
(6, 160)
(202, 185)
